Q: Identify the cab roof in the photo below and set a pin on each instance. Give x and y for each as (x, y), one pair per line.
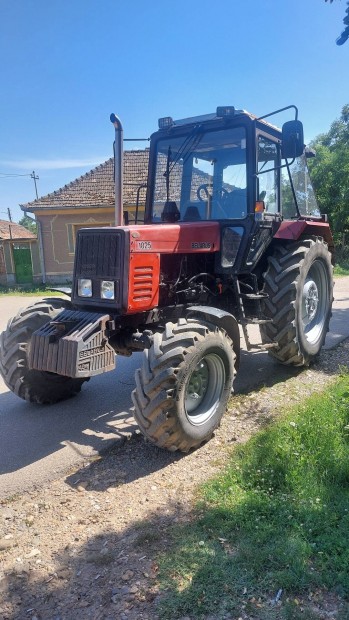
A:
(213, 116)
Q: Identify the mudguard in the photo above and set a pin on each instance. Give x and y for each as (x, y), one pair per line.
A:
(293, 230)
(223, 320)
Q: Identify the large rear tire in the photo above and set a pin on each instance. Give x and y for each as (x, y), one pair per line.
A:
(184, 386)
(33, 385)
(299, 284)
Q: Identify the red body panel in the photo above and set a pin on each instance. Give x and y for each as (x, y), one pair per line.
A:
(147, 243)
(143, 282)
(184, 238)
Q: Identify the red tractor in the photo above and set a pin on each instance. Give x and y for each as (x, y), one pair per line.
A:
(232, 235)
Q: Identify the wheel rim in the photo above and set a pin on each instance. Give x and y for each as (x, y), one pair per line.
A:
(204, 389)
(315, 302)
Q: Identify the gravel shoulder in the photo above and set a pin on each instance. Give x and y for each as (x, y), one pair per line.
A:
(85, 546)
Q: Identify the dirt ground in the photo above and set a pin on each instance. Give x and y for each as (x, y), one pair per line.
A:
(85, 546)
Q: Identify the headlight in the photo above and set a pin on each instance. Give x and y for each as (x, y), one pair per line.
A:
(107, 289)
(84, 288)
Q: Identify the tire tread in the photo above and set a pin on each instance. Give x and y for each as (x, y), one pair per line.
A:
(153, 396)
(280, 284)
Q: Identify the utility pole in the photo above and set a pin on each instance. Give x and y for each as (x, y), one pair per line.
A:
(35, 178)
(8, 214)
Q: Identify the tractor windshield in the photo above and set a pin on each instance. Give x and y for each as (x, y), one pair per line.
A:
(201, 176)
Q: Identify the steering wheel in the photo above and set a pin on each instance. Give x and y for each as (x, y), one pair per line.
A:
(203, 192)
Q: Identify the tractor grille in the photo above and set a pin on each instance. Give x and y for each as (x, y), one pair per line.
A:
(100, 256)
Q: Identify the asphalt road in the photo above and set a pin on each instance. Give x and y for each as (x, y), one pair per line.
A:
(39, 443)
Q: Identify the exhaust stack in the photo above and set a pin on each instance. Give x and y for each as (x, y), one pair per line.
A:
(118, 169)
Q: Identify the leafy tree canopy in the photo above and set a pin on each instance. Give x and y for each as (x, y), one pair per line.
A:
(345, 34)
(330, 172)
(28, 223)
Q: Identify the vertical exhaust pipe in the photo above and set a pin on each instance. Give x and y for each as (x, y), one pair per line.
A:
(118, 170)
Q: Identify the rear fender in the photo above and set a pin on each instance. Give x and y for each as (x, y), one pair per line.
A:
(223, 320)
(293, 230)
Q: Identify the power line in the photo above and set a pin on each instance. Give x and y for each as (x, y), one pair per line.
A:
(32, 175)
(5, 174)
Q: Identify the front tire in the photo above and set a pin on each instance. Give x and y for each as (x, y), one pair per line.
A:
(299, 284)
(33, 385)
(184, 386)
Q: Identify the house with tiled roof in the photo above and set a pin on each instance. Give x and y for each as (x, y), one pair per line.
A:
(19, 254)
(86, 202)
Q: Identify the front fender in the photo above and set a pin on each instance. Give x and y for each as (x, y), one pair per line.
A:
(223, 320)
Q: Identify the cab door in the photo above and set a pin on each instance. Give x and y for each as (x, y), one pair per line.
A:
(268, 169)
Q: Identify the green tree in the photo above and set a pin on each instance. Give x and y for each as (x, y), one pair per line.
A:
(330, 173)
(344, 36)
(28, 223)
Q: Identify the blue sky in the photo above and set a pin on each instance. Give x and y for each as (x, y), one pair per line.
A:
(67, 64)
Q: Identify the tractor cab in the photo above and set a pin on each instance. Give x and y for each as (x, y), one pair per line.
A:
(227, 166)
(235, 169)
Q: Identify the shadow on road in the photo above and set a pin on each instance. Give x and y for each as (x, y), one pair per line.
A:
(260, 370)
(339, 325)
(138, 458)
(85, 423)
(101, 414)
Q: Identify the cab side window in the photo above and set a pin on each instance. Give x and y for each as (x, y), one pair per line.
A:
(268, 156)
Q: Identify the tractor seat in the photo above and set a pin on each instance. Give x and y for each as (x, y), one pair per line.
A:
(191, 215)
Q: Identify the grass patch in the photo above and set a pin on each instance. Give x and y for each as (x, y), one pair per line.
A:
(342, 261)
(276, 518)
(341, 270)
(25, 291)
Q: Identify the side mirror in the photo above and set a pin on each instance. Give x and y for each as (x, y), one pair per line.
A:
(292, 139)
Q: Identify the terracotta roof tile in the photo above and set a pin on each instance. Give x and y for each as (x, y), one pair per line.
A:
(11, 230)
(96, 188)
